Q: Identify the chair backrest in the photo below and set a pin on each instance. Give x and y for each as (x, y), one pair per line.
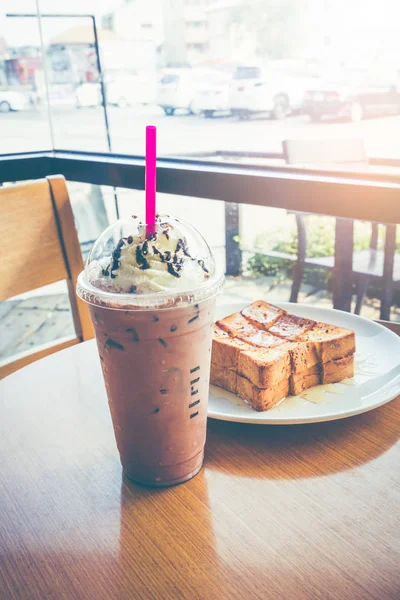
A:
(346, 154)
(39, 246)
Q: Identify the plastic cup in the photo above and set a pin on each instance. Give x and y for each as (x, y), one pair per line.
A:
(155, 352)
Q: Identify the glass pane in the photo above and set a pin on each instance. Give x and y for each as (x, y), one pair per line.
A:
(269, 243)
(267, 240)
(24, 121)
(229, 77)
(233, 78)
(74, 82)
(39, 317)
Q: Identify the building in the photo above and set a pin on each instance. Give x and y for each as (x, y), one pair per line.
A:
(228, 40)
(178, 29)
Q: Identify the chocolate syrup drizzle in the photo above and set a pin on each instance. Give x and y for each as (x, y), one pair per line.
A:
(174, 262)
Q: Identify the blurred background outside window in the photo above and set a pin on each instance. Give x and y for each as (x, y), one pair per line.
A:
(237, 76)
(223, 80)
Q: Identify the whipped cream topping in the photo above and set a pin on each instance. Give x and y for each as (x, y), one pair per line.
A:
(143, 264)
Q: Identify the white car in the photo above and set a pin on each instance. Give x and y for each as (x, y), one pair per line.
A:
(271, 90)
(127, 90)
(179, 87)
(213, 99)
(88, 95)
(252, 92)
(13, 101)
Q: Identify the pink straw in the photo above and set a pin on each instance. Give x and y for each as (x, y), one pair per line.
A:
(150, 178)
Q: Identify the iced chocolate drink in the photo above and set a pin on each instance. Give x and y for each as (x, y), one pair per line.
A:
(152, 300)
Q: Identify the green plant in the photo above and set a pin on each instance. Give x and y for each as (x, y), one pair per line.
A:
(320, 233)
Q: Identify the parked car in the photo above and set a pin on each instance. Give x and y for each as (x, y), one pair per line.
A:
(257, 90)
(353, 98)
(276, 88)
(10, 101)
(178, 88)
(213, 98)
(88, 95)
(127, 90)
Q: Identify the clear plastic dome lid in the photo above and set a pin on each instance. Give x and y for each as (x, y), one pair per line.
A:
(137, 266)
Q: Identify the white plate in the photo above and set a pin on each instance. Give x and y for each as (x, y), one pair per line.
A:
(376, 380)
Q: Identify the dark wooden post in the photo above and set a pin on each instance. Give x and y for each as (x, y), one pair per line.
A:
(343, 269)
(301, 257)
(387, 277)
(233, 252)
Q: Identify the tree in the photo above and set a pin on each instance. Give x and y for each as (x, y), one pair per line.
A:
(277, 25)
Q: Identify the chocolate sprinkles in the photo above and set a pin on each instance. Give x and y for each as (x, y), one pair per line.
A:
(110, 343)
(202, 265)
(171, 270)
(140, 259)
(162, 342)
(175, 260)
(145, 248)
(135, 336)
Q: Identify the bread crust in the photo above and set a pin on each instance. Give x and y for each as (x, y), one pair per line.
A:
(260, 398)
(262, 314)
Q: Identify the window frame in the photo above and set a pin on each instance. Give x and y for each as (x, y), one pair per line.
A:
(365, 196)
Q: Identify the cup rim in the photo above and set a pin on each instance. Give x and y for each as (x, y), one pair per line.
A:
(91, 294)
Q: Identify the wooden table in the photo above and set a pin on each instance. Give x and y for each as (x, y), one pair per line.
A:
(298, 512)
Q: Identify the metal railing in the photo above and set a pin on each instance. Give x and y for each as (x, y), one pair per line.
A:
(364, 195)
(367, 196)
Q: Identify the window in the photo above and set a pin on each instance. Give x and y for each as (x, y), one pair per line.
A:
(23, 118)
(294, 73)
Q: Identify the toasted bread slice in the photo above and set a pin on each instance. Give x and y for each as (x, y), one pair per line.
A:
(337, 370)
(264, 353)
(262, 314)
(303, 355)
(265, 368)
(261, 398)
(331, 342)
(235, 325)
(239, 327)
(226, 350)
(305, 380)
(225, 378)
(290, 327)
(297, 387)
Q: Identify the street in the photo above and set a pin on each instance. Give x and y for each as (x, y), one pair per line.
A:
(83, 129)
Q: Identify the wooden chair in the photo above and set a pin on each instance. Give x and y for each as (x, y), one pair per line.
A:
(348, 267)
(39, 245)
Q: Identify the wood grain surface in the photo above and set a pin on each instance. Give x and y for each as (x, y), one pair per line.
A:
(297, 512)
